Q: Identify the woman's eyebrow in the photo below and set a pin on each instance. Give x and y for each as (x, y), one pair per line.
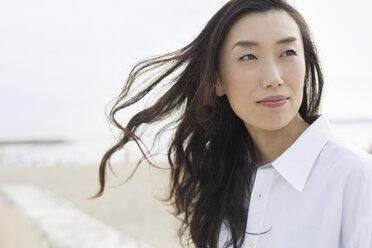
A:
(249, 43)
(286, 40)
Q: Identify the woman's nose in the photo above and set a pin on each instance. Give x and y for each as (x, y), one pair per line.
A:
(271, 76)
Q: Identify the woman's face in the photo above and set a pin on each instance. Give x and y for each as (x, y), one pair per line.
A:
(263, 56)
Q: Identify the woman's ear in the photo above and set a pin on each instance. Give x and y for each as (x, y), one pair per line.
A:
(219, 89)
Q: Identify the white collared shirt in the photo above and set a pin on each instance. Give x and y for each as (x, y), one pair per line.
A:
(317, 194)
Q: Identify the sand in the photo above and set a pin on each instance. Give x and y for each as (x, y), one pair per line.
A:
(131, 208)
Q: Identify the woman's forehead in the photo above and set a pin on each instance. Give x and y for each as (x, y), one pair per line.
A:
(263, 27)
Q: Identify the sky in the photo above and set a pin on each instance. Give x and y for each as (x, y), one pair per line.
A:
(63, 62)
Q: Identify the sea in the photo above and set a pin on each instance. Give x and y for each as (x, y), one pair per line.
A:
(90, 152)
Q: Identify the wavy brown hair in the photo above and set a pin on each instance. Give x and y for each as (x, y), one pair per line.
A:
(211, 154)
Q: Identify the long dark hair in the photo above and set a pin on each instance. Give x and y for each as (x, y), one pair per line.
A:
(211, 154)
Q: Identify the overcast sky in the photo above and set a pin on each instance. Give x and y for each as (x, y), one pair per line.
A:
(62, 62)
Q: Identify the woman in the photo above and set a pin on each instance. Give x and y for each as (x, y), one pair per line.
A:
(253, 164)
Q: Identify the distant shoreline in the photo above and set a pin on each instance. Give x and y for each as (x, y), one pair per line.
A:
(351, 121)
(33, 142)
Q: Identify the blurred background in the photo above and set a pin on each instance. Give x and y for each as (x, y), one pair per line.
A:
(62, 63)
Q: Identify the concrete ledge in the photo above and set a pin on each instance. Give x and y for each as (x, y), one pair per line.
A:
(32, 217)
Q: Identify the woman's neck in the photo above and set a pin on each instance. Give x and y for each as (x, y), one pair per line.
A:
(271, 144)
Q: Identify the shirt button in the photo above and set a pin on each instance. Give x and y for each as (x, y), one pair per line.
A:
(250, 244)
(282, 181)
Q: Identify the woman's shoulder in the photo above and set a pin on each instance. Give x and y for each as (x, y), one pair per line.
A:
(347, 157)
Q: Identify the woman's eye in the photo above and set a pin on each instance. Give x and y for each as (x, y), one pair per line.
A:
(248, 57)
(289, 53)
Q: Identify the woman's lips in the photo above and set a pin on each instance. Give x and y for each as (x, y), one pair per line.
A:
(274, 103)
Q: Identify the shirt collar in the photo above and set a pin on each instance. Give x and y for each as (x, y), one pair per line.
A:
(296, 162)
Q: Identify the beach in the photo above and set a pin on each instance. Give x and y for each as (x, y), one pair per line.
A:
(134, 208)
